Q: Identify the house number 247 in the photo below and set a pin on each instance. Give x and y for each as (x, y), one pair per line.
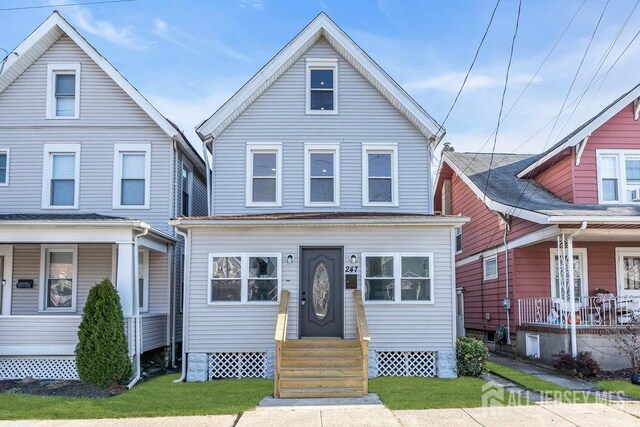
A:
(351, 269)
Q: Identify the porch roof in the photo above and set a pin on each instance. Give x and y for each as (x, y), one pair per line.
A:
(92, 222)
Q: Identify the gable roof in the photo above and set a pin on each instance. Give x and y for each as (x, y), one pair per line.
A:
(524, 198)
(321, 26)
(48, 33)
(583, 130)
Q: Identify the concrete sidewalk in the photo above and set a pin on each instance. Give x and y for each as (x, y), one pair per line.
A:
(596, 415)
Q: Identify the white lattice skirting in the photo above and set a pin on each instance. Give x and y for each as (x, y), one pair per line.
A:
(237, 365)
(406, 363)
(13, 368)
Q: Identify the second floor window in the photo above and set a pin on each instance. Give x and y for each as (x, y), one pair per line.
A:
(4, 167)
(379, 171)
(186, 191)
(618, 176)
(322, 175)
(61, 173)
(322, 86)
(264, 166)
(63, 87)
(132, 176)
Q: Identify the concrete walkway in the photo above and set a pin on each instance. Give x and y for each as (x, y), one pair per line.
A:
(356, 415)
(545, 374)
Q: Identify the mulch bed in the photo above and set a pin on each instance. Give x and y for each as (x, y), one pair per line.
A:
(622, 374)
(65, 388)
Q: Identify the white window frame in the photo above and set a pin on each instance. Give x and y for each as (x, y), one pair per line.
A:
(263, 147)
(44, 263)
(6, 151)
(397, 277)
(53, 70)
(621, 155)
(373, 148)
(458, 233)
(244, 277)
(189, 170)
(620, 254)
(321, 63)
(582, 256)
(145, 290)
(323, 149)
(47, 170)
(118, 151)
(485, 261)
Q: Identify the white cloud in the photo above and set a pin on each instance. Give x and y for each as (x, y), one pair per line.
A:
(451, 81)
(123, 36)
(252, 4)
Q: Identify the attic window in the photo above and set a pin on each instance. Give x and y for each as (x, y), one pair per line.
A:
(322, 86)
(63, 91)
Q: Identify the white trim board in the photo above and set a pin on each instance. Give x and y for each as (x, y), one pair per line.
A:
(6, 251)
(321, 26)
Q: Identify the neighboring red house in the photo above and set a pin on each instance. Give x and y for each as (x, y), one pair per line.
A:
(529, 214)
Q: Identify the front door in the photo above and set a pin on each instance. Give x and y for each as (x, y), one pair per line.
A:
(460, 312)
(321, 292)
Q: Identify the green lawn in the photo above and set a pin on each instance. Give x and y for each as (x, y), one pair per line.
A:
(624, 386)
(536, 384)
(156, 397)
(427, 393)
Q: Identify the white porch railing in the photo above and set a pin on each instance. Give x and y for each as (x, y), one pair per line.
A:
(598, 311)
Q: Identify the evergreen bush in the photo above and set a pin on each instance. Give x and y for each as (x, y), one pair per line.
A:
(471, 355)
(101, 354)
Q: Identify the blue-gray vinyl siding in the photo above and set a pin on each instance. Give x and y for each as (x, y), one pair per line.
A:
(278, 115)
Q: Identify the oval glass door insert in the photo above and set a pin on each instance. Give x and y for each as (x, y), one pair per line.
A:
(321, 289)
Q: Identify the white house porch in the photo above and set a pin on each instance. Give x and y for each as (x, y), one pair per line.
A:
(47, 269)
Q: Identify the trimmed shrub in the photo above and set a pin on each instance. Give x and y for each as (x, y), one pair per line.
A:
(101, 354)
(471, 354)
(583, 365)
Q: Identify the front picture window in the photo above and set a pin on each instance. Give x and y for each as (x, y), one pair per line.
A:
(226, 280)
(379, 278)
(400, 278)
(263, 279)
(416, 281)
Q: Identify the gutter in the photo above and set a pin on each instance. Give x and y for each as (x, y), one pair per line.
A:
(136, 307)
(221, 222)
(185, 307)
(613, 220)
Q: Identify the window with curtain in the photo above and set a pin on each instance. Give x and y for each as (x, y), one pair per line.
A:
(59, 281)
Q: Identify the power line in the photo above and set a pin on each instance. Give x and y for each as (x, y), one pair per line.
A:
(53, 6)
(602, 77)
(475, 57)
(555, 45)
(593, 34)
(504, 92)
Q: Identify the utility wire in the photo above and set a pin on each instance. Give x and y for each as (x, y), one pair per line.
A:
(475, 57)
(504, 92)
(555, 45)
(564, 102)
(51, 6)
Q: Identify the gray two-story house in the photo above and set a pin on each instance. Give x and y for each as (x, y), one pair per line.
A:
(90, 174)
(321, 263)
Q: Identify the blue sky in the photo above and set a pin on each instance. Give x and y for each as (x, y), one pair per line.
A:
(188, 57)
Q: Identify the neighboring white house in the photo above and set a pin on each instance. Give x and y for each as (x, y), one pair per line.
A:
(90, 173)
(320, 186)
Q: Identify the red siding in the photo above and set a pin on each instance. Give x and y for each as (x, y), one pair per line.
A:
(559, 178)
(482, 297)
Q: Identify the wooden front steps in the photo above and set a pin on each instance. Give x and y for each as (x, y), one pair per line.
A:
(321, 368)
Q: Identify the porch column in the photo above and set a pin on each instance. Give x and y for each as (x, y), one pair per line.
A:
(572, 297)
(124, 277)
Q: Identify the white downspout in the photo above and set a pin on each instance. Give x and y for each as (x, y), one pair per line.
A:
(209, 172)
(136, 306)
(572, 292)
(185, 306)
(506, 282)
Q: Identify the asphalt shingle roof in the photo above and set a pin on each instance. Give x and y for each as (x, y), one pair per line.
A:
(60, 217)
(506, 188)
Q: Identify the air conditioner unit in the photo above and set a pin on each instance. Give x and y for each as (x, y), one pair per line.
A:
(635, 195)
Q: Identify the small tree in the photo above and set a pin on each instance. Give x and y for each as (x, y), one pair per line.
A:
(627, 340)
(101, 354)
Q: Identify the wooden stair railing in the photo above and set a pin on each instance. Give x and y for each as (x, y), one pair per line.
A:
(281, 337)
(362, 329)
